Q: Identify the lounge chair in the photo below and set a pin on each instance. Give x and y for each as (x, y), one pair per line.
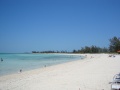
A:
(115, 85)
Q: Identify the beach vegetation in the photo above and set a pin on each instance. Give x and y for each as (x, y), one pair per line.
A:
(91, 49)
(86, 49)
(113, 48)
(114, 44)
(49, 51)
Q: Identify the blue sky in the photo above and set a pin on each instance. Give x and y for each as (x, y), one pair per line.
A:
(27, 25)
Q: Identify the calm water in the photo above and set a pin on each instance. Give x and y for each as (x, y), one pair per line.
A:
(12, 63)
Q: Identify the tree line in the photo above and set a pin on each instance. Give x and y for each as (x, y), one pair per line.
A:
(114, 46)
(49, 51)
(91, 49)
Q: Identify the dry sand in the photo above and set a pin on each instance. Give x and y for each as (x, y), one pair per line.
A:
(88, 74)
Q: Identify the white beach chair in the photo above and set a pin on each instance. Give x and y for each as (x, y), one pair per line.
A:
(116, 77)
(115, 85)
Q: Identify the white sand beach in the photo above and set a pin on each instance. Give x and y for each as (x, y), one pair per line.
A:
(88, 74)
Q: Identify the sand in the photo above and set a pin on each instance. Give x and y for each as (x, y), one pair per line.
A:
(93, 73)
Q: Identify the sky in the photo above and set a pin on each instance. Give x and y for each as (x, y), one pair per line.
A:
(39, 25)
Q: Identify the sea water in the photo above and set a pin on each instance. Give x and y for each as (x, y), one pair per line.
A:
(12, 63)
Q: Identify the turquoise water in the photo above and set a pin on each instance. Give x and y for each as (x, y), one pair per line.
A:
(12, 63)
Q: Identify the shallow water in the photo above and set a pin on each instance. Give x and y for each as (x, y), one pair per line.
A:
(12, 63)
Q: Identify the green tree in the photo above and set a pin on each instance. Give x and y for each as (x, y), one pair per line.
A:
(114, 44)
(94, 49)
(74, 51)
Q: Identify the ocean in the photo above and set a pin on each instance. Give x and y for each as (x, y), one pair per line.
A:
(12, 63)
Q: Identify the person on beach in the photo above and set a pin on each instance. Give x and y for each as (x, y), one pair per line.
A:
(1, 59)
(20, 70)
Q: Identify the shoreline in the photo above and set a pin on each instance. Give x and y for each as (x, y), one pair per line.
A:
(49, 66)
(91, 73)
(43, 60)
